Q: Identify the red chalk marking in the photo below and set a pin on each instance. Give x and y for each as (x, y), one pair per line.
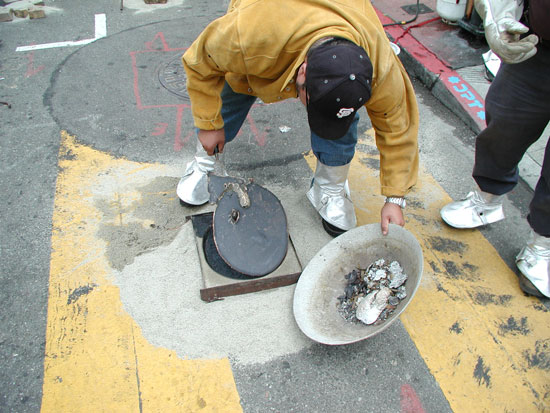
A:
(410, 403)
(159, 37)
(160, 129)
(136, 85)
(31, 71)
(179, 144)
(260, 137)
(161, 45)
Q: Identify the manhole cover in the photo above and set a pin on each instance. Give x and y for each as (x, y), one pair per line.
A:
(172, 77)
(216, 262)
(422, 9)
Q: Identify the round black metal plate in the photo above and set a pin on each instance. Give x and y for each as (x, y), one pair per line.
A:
(215, 261)
(251, 240)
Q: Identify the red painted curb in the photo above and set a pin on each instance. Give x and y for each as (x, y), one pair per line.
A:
(465, 95)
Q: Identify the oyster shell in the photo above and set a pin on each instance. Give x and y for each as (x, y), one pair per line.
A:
(371, 306)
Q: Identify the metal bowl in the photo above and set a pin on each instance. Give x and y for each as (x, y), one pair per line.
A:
(322, 281)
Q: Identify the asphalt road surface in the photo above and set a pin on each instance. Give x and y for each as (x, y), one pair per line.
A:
(100, 280)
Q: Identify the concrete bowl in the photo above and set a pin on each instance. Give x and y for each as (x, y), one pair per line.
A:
(322, 281)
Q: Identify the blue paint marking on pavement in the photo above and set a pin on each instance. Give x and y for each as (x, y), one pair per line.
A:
(465, 93)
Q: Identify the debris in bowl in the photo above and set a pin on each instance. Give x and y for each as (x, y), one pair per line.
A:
(371, 295)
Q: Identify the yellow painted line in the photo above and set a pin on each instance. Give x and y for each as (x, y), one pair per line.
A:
(96, 358)
(484, 341)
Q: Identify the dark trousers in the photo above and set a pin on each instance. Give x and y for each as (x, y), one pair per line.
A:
(517, 109)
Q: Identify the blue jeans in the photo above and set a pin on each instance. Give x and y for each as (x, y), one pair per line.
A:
(235, 108)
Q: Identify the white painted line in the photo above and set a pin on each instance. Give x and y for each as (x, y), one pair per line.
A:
(52, 45)
(100, 26)
(100, 31)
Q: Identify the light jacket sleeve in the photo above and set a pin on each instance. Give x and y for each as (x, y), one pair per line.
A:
(393, 111)
(206, 63)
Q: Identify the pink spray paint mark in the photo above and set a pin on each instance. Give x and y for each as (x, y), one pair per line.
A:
(31, 70)
(179, 143)
(410, 403)
(159, 45)
(160, 129)
(261, 137)
(159, 38)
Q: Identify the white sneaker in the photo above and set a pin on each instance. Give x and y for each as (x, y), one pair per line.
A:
(475, 210)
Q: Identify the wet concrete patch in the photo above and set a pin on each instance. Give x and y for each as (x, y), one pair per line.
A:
(160, 289)
(152, 220)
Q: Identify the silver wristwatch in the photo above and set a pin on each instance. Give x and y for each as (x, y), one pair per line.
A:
(397, 200)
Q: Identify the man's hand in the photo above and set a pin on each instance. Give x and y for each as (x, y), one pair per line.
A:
(503, 30)
(391, 213)
(210, 139)
(503, 38)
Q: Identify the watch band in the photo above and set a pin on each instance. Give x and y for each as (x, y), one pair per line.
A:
(397, 200)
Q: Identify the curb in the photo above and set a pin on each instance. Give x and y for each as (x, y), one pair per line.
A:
(443, 82)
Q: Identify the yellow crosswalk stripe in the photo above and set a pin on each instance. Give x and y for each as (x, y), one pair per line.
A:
(96, 357)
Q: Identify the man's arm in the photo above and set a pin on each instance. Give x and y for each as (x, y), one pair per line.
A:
(394, 115)
(213, 54)
(393, 111)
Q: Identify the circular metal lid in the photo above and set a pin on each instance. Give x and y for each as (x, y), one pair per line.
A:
(250, 228)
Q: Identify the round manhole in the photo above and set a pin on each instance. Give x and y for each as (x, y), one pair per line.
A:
(172, 77)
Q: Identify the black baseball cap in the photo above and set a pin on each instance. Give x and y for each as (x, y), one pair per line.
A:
(338, 83)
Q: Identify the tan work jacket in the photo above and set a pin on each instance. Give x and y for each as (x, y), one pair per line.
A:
(258, 46)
